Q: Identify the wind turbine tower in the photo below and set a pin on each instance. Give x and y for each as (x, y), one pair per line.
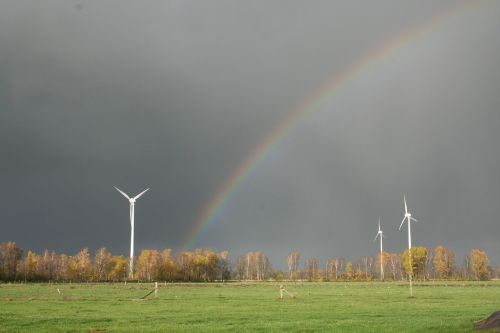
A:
(132, 206)
(380, 234)
(408, 218)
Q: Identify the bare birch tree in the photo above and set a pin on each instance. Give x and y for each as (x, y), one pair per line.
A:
(293, 265)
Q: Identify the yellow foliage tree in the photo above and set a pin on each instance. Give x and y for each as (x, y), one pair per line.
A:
(200, 263)
(223, 267)
(148, 265)
(312, 270)
(184, 264)
(30, 265)
(385, 257)
(418, 259)
(444, 262)
(349, 271)
(120, 268)
(479, 262)
(211, 265)
(83, 265)
(10, 256)
(102, 264)
(168, 269)
(71, 271)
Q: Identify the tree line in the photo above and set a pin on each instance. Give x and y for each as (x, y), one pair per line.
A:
(205, 265)
(425, 264)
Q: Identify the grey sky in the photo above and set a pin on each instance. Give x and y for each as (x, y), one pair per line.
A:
(173, 95)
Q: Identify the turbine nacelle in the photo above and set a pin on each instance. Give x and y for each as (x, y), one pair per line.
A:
(408, 216)
(133, 199)
(380, 233)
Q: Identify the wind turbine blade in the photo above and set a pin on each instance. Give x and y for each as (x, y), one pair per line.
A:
(414, 219)
(375, 238)
(402, 223)
(406, 207)
(379, 224)
(123, 193)
(140, 194)
(384, 236)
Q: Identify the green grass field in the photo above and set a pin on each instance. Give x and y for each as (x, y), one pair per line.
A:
(247, 307)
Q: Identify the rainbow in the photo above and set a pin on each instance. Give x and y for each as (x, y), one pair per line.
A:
(312, 104)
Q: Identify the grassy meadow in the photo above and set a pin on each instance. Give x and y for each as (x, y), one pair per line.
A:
(247, 307)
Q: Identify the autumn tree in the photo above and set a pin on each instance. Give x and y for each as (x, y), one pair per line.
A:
(359, 274)
(466, 269)
(212, 261)
(429, 266)
(62, 270)
(418, 260)
(395, 265)
(168, 269)
(496, 273)
(311, 269)
(240, 267)
(29, 266)
(479, 264)
(148, 265)
(83, 265)
(262, 266)
(10, 256)
(102, 264)
(349, 271)
(385, 259)
(257, 266)
(70, 269)
(199, 265)
(368, 265)
(338, 264)
(47, 265)
(184, 264)
(444, 262)
(250, 269)
(279, 276)
(293, 259)
(224, 266)
(329, 273)
(119, 269)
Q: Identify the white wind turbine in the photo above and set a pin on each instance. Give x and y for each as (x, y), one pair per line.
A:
(380, 234)
(132, 204)
(408, 219)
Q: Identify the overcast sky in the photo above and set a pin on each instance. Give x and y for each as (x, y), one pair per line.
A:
(174, 95)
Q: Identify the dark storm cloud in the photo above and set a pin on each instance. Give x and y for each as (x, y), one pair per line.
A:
(174, 95)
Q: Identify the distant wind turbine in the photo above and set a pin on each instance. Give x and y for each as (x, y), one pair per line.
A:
(380, 234)
(132, 204)
(408, 219)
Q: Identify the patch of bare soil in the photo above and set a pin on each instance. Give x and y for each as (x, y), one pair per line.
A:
(493, 321)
